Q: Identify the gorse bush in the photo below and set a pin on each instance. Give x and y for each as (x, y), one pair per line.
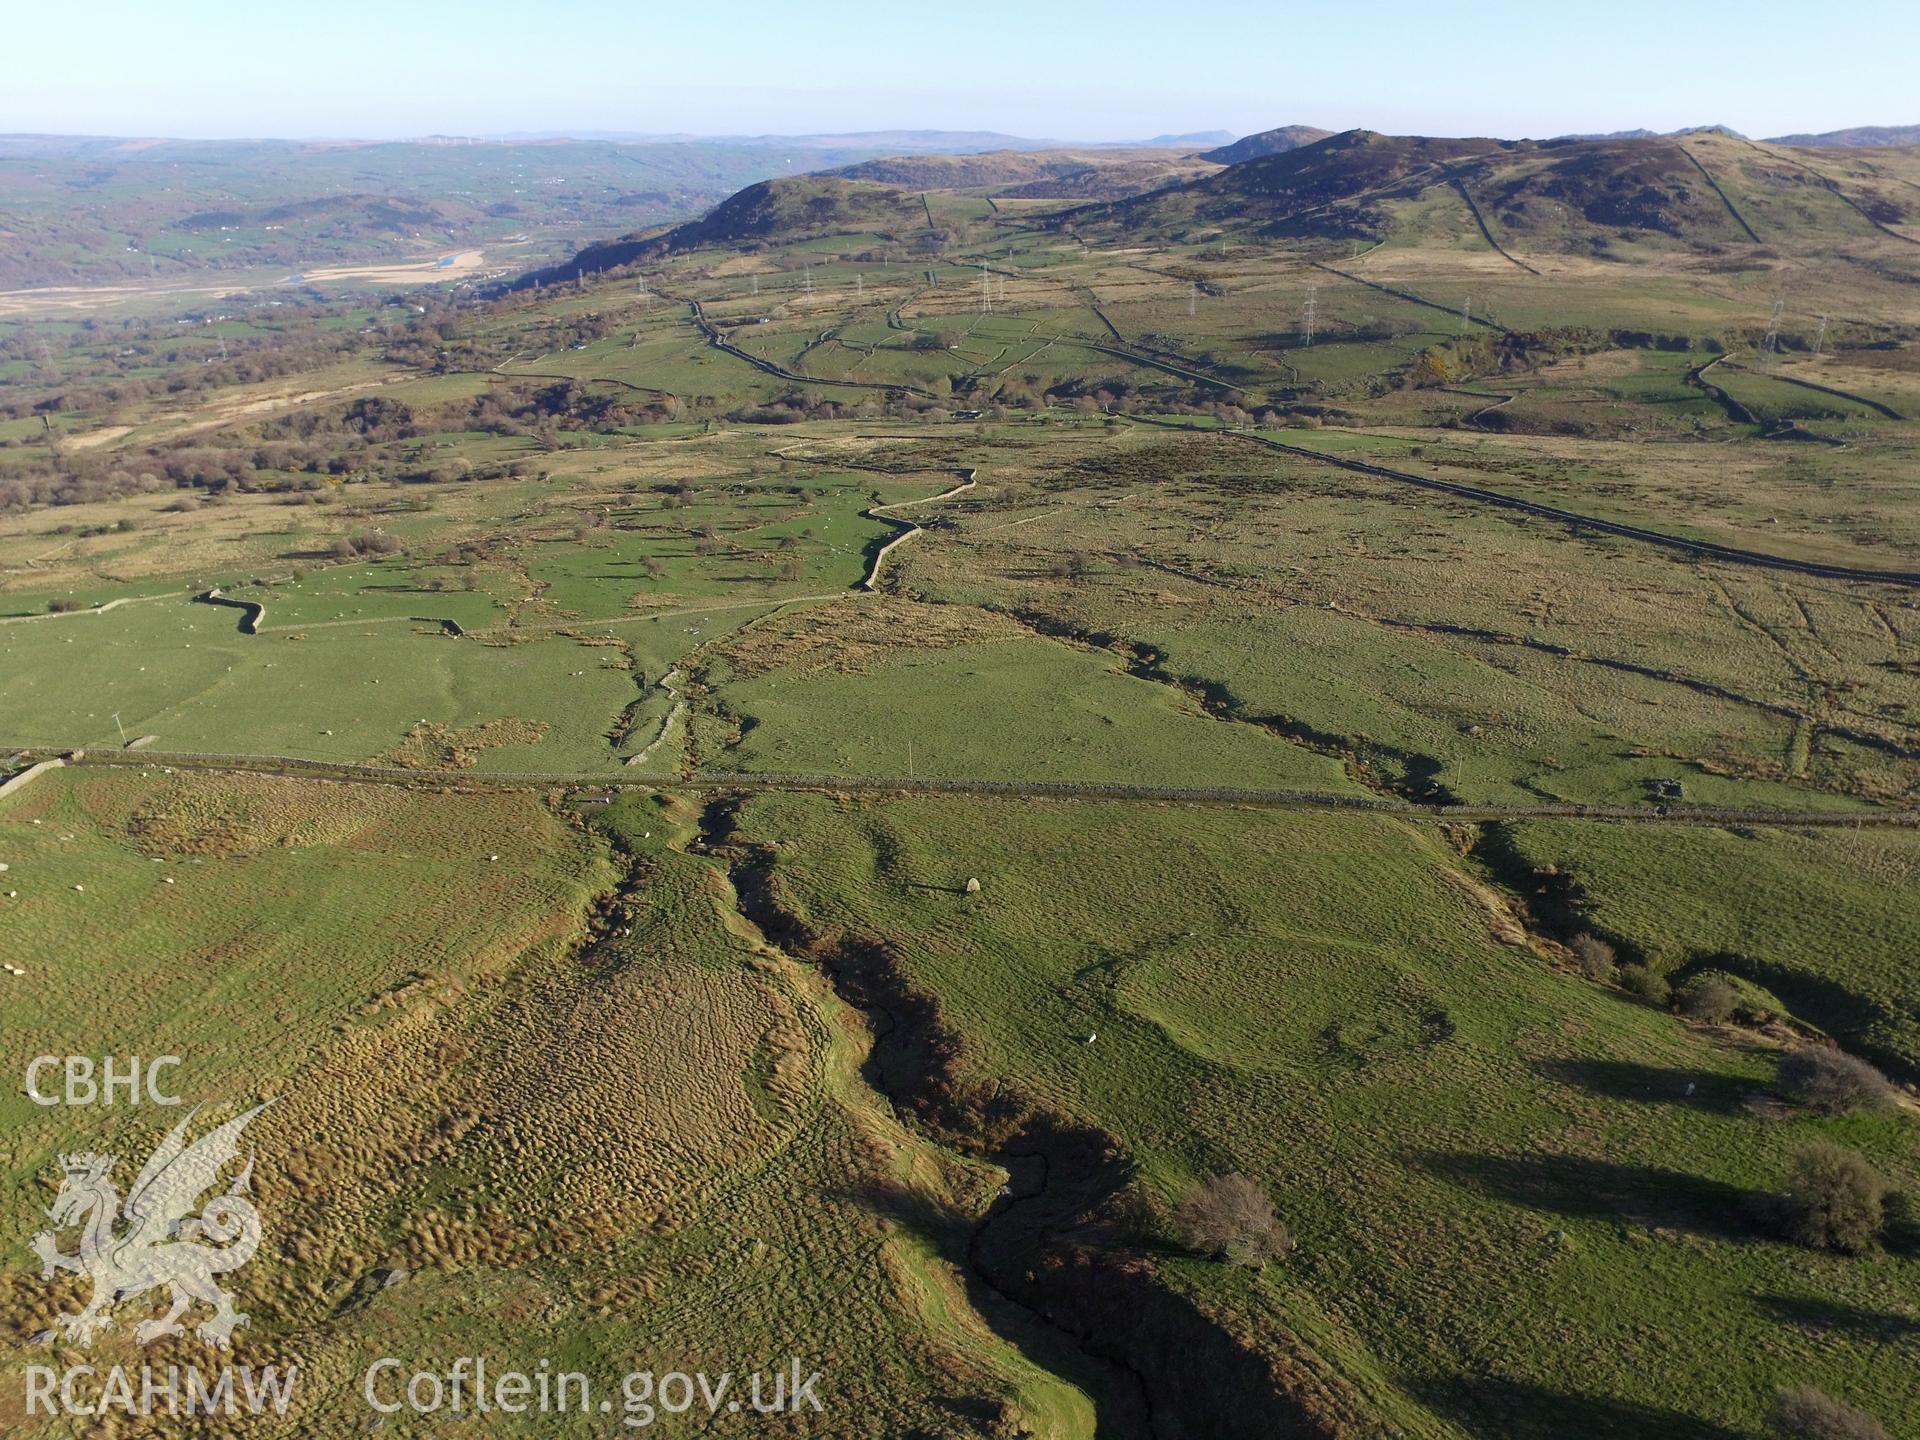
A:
(1835, 1199)
(1646, 982)
(373, 542)
(1711, 998)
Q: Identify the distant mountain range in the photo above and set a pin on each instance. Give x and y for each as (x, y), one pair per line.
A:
(97, 209)
(1657, 134)
(1219, 146)
(79, 210)
(894, 142)
(1195, 141)
(1858, 136)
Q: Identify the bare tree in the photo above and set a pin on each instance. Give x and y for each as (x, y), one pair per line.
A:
(1230, 1218)
(1596, 957)
(1832, 1081)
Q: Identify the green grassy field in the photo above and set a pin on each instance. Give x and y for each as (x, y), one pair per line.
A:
(615, 1180)
(712, 1073)
(1016, 709)
(1510, 1210)
(1820, 920)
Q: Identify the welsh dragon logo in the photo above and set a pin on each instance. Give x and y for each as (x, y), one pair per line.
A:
(156, 1239)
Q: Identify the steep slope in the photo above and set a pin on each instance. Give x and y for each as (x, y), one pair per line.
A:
(1268, 142)
(1565, 196)
(1332, 187)
(801, 208)
(960, 172)
(1701, 192)
(1108, 174)
(1570, 190)
(1112, 181)
(798, 209)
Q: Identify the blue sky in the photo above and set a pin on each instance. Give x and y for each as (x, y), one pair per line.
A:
(1109, 71)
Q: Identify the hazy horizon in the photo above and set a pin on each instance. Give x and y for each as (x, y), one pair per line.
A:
(486, 70)
(590, 134)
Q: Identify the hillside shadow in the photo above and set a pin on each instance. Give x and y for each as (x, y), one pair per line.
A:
(1651, 1084)
(1586, 1189)
(1848, 1015)
(944, 1225)
(1837, 1316)
(1519, 1410)
(953, 1233)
